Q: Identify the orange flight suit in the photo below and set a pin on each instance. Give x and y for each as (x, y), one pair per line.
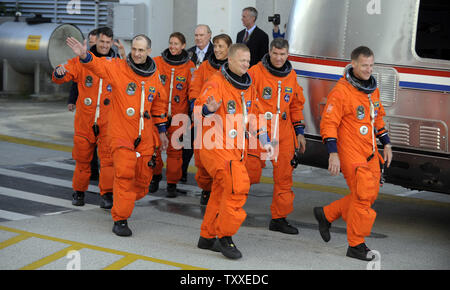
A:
(346, 118)
(132, 172)
(84, 138)
(199, 78)
(291, 107)
(181, 82)
(223, 155)
(204, 181)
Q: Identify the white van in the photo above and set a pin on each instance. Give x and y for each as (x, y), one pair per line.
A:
(411, 43)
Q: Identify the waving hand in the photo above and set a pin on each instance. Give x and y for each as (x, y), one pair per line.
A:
(77, 48)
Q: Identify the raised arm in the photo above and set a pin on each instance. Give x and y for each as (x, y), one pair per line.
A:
(98, 65)
(77, 48)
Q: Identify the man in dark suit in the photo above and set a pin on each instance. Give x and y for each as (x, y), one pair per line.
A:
(203, 47)
(200, 52)
(256, 39)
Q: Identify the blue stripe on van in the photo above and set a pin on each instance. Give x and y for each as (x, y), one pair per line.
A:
(423, 86)
(317, 75)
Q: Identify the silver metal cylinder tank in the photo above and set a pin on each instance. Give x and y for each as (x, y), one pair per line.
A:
(24, 45)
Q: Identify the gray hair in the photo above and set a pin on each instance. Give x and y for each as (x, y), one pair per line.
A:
(279, 43)
(252, 11)
(206, 26)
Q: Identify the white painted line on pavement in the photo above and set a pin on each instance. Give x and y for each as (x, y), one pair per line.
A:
(408, 193)
(55, 164)
(13, 216)
(43, 198)
(43, 179)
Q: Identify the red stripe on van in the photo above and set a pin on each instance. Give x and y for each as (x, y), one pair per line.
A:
(319, 61)
(339, 63)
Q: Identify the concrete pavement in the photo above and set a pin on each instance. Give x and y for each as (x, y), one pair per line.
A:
(165, 231)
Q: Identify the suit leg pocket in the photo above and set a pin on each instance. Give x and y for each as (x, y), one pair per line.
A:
(239, 177)
(362, 220)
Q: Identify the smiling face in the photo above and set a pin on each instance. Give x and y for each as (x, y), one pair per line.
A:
(103, 44)
(220, 49)
(139, 50)
(176, 46)
(239, 62)
(363, 67)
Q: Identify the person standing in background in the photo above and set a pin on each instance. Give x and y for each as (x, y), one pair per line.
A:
(203, 47)
(200, 52)
(221, 42)
(175, 68)
(252, 36)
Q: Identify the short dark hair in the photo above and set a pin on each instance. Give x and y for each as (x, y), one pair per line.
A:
(224, 37)
(93, 32)
(361, 50)
(145, 37)
(252, 11)
(279, 43)
(107, 31)
(178, 35)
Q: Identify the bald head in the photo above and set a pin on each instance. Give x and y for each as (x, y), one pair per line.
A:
(143, 37)
(140, 48)
(239, 58)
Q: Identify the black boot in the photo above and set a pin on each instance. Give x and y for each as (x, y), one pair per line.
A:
(154, 184)
(78, 198)
(281, 225)
(171, 190)
(228, 248)
(121, 228)
(204, 197)
(324, 224)
(208, 244)
(107, 201)
(361, 252)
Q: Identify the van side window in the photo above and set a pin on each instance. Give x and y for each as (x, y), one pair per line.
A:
(433, 29)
